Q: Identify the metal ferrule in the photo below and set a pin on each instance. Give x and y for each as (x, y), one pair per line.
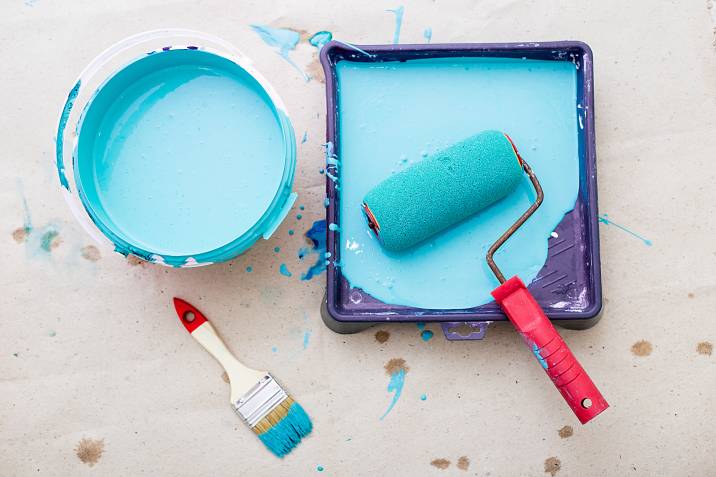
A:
(260, 400)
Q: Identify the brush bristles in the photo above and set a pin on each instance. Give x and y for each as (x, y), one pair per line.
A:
(284, 427)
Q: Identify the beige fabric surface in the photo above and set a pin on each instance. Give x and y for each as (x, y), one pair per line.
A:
(91, 348)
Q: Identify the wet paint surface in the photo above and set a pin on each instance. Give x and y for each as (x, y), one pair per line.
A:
(317, 235)
(398, 12)
(437, 103)
(604, 219)
(140, 138)
(284, 40)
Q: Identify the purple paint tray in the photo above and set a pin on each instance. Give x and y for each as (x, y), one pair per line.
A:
(568, 287)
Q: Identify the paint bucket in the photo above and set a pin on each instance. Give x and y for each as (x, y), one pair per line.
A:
(173, 148)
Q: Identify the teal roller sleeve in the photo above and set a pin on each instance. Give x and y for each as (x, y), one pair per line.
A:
(442, 190)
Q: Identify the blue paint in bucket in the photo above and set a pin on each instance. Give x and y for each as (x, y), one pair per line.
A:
(183, 158)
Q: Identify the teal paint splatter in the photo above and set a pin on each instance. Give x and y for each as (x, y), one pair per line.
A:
(284, 40)
(59, 147)
(320, 39)
(277, 249)
(302, 207)
(321, 171)
(398, 12)
(317, 235)
(47, 238)
(607, 221)
(426, 335)
(423, 397)
(290, 231)
(538, 355)
(284, 270)
(306, 338)
(319, 468)
(249, 269)
(397, 381)
(428, 34)
(299, 217)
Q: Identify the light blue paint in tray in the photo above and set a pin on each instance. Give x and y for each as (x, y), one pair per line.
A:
(392, 114)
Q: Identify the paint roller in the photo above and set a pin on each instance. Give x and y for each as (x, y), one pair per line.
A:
(449, 187)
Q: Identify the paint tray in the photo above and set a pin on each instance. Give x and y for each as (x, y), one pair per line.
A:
(568, 287)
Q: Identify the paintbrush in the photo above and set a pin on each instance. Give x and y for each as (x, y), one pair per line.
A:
(257, 398)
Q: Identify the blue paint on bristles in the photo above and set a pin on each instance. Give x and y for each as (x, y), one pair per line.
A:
(288, 432)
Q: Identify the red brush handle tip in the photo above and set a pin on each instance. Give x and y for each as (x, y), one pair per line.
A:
(550, 350)
(189, 316)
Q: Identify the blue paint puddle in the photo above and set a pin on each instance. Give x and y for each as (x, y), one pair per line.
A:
(604, 219)
(538, 355)
(423, 397)
(398, 12)
(320, 39)
(284, 270)
(306, 338)
(397, 381)
(284, 40)
(428, 34)
(317, 235)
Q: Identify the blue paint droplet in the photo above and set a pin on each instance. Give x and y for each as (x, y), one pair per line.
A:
(333, 227)
(326, 202)
(321, 171)
(305, 137)
(302, 207)
(277, 249)
(426, 335)
(274, 349)
(421, 325)
(249, 269)
(290, 232)
(319, 468)
(321, 38)
(306, 337)
(284, 270)
(428, 34)
(423, 397)
(299, 217)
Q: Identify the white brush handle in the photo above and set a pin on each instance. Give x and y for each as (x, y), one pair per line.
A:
(241, 377)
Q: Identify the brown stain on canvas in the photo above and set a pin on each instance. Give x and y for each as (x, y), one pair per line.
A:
(642, 348)
(705, 348)
(90, 252)
(565, 432)
(441, 464)
(225, 377)
(463, 463)
(134, 261)
(315, 70)
(89, 451)
(20, 234)
(395, 365)
(381, 336)
(552, 465)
